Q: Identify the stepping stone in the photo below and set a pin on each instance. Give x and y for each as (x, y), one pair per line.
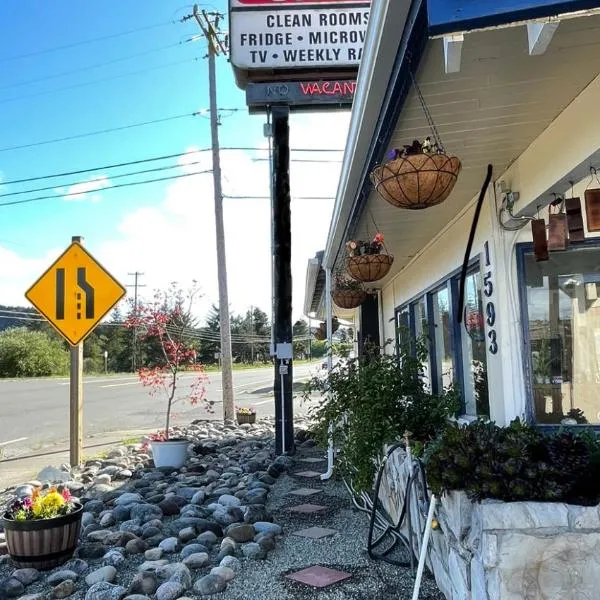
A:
(312, 460)
(315, 533)
(305, 492)
(319, 577)
(307, 474)
(307, 509)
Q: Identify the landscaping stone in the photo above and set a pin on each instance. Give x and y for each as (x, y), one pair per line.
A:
(223, 572)
(209, 585)
(11, 588)
(241, 533)
(104, 574)
(143, 583)
(254, 550)
(170, 590)
(105, 591)
(26, 576)
(196, 560)
(60, 576)
(63, 589)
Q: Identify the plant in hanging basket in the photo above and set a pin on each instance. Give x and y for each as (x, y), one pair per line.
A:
(366, 261)
(417, 176)
(348, 293)
(42, 529)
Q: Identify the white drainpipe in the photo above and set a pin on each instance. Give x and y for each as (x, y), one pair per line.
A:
(329, 317)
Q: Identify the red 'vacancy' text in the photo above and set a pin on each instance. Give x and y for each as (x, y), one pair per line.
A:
(329, 88)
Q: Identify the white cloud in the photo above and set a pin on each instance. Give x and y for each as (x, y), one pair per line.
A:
(175, 240)
(83, 189)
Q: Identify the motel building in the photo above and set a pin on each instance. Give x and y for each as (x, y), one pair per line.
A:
(514, 85)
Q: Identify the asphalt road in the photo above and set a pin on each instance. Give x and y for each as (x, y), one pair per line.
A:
(34, 413)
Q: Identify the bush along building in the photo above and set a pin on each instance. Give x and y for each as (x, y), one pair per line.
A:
(468, 215)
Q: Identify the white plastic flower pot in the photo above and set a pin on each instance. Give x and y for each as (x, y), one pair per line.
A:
(169, 454)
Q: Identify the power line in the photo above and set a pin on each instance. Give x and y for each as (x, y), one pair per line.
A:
(147, 160)
(101, 80)
(83, 42)
(114, 187)
(98, 132)
(89, 67)
(119, 176)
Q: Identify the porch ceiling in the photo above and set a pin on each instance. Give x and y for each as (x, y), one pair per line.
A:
(489, 112)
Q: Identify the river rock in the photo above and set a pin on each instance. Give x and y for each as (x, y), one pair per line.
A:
(26, 576)
(143, 583)
(11, 588)
(105, 591)
(196, 560)
(103, 574)
(209, 585)
(170, 590)
(60, 576)
(223, 572)
(63, 590)
(241, 533)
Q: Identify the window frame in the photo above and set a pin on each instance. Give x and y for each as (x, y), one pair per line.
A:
(451, 282)
(521, 249)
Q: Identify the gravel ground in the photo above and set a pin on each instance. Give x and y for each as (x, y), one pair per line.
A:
(345, 551)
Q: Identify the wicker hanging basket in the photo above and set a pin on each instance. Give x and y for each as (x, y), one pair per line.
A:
(369, 267)
(416, 181)
(349, 298)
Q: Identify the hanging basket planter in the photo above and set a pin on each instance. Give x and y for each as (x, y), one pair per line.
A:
(369, 267)
(416, 181)
(349, 298)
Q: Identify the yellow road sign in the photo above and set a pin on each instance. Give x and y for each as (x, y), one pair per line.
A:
(75, 293)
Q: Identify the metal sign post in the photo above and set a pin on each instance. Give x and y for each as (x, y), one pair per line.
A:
(282, 284)
(292, 55)
(74, 294)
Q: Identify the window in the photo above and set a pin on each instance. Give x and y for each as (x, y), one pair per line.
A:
(442, 342)
(419, 312)
(403, 328)
(563, 333)
(457, 352)
(473, 350)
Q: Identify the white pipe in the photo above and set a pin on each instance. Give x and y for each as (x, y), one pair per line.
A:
(423, 555)
(329, 317)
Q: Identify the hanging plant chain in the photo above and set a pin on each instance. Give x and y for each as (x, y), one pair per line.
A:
(430, 121)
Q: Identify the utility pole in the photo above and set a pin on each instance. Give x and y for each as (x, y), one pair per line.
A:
(135, 287)
(210, 29)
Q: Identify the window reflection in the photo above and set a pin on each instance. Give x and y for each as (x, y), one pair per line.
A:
(443, 338)
(563, 309)
(473, 343)
(421, 332)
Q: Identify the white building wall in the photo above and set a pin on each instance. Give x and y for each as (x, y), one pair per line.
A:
(443, 255)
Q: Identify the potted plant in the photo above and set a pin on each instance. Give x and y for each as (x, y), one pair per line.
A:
(166, 324)
(348, 293)
(42, 529)
(366, 260)
(245, 415)
(417, 176)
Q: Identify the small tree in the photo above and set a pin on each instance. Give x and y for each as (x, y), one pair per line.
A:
(166, 322)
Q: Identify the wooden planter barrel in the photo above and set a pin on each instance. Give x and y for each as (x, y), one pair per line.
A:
(369, 267)
(42, 544)
(242, 418)
(349, 298)
(416, 181)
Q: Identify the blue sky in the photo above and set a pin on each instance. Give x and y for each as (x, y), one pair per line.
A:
(163, 229)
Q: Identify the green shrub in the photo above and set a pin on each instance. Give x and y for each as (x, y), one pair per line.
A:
(27, 353)
(373, 401)
(515, 463)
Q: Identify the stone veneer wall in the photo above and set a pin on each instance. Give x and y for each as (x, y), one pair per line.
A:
(506, 550)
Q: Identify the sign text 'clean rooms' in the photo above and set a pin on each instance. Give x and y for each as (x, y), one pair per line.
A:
(292, 39)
